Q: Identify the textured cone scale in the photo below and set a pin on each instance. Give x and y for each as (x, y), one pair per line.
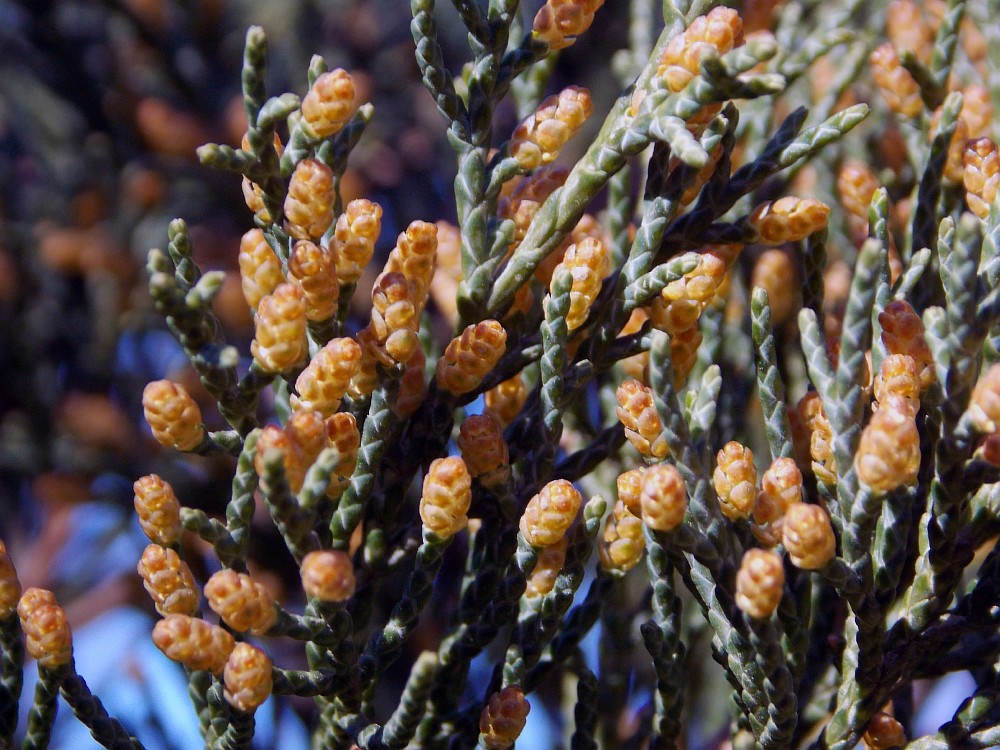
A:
(311, 267)
(774, 272)
(559, 22)
(810, 410)
(354, 239)
(168, 581)
(329, 104)
(897, 86)
(342, 431)
(637, 413)
(588, 262)
(550, 513)
(323, 383)
(308, 430)
(984, 406)
(328, 575)
(681, 303)
(504, 401)
(721, 30)
(856, 184)
(193, 642)
(981, 175)
(46, 632)
(550, 562)
(781, 488)
(309, 203)
(260, 269)
(888, 454)
(471, 357)
(247, 677)
(629, 485)
(900, 376)
(664, 498)
(484, 450)
(273, 438)
(735, 480)
(173, 415)
(243, 603)
(446, 496)
(808, 536)
(280, 341)
(788, 219)
(538, 140)
(414, 256)
(903, 333)
(395, 316)
(158, 510)
(622, 544)
(412, 386)
(525, 200)
(760, 583)
(503, 719)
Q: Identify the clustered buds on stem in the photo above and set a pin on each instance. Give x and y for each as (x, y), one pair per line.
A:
(168, 581)
(394, 317)
(193, 642)
(622, 543)
(504, 401)
(260, 269)
(324, 381)
(484, 450)
(637, 412)
(173, 415)
(774, 272)
(808, 536)
(328, 575)
(446, 497)
(158, 510)
(811, 413)
(248, 677)
(720, 30)
(663, 498)
(760, 583)
(471, 357)
(629, 484)
(559, 22)
(550, 513)
(329, 104)
(897, 86)
(681, 303)
(354, 239)
(413, 257)
(311, 267)
(280, 340)
(788, 219)
(981, 175)
(984, 404)
(903, 333)
(588, 262)
(503, 718)
(898, 376)
(310, 199)
(46, 631)
(244, 604)
(888, 454)
(735, 480)
(538, 140)
(781, 489)
(550, 562)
